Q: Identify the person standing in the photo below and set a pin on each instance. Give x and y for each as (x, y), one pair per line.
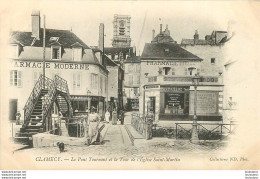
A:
(18, 116)
(114, 117)
(122, 116)
(93, 121)
(107, 116)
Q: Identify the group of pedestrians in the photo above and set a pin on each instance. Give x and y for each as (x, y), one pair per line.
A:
(114, 117)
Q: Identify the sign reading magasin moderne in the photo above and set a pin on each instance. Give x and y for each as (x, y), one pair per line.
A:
(52, 65)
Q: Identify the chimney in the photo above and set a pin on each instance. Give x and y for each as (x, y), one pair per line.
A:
(153, 34)
(167, 32)
(160, 28)
(196, 37)
(36, 23)
(101, 37)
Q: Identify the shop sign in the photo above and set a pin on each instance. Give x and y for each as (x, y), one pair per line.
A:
(151, 86)
(65, 66)
(174, 88)
(170, 63)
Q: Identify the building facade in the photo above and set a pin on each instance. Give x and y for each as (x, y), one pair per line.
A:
(115, 83)
(132, 82)
(166, 87)
(209, 49)
(65, 55)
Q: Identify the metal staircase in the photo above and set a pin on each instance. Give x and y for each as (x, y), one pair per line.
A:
(39, 105)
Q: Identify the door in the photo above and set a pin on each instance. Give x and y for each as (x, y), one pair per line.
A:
(152, 105)
(12, 109)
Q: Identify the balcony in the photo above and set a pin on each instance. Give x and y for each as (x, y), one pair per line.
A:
(173, 79)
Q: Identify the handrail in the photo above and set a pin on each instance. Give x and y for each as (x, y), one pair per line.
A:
(52, 86)
(33, 98)
(62, 86)
(48, 100)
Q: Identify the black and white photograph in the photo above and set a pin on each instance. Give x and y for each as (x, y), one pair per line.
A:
(130, 85)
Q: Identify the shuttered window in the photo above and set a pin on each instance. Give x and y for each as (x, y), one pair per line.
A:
(15, 78)
(76, 80)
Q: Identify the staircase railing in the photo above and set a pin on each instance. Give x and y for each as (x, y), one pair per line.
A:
(52, 86)
(48, 100)
(34, 96)
(29, 105)
(62, 86)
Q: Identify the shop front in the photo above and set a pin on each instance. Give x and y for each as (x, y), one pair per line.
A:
(176, 103)
(80, 104)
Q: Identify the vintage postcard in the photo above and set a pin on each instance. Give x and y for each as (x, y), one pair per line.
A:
(130, 85)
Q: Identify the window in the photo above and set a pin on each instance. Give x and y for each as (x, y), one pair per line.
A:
(56, 52)
(166, 70)
(77, 54)
(13, 51)
(213, 60)
(15, 78)
(94, 79)
(76, 80)
(36, 76)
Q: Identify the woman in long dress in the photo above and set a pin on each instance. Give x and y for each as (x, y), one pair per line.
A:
(114, 117)
(94, 120)
(107, 116)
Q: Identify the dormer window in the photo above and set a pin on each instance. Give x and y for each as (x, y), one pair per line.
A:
(77, 50)
(77, 54)
(56, 52)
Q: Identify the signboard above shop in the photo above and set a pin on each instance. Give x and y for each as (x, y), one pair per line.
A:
(51, 65)
(174, 88)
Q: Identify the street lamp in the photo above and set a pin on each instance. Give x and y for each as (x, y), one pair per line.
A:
(89, 99)
(194, 135)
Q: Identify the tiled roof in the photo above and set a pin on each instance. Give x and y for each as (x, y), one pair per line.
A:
(108, 50)
(168, 51)
(162, 38)
(66, 38)
(109, 61)
(133, 59)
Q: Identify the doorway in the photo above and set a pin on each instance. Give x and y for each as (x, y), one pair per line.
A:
(12, 109)
(152, 105)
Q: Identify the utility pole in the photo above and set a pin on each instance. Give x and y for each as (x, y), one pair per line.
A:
(43, 52)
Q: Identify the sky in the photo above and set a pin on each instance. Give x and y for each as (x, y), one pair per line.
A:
(84, 17)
